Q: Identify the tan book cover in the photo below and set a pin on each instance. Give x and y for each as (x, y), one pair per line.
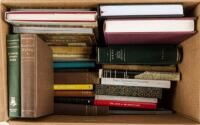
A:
(36, 77)
(140, 67)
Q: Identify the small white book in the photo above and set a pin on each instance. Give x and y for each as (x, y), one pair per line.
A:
(136, 82)
(126, 98)
(142, 10)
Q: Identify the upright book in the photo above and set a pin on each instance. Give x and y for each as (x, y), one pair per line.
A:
(140, 54)
(14, 76)
(140, 10)
(36, 77)
(148, 30)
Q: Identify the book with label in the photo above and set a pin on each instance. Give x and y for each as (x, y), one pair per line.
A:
(36, 77)
(14, 76)
(145, 75)
(74, 100)
(139, 54)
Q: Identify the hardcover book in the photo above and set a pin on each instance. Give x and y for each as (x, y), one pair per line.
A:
(140, 54)
(58, 17)
(145, 75)
(74, 65)
(171, 68)
(36, 77)
(136, 82)
(72, 93)
(78, 109)
(128, 91)
(140, 10)
(14, 76)
(74, 100)
(73, 86)
(148, 31)
(78, 77)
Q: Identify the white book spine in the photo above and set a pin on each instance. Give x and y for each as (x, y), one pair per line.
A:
(136, 82)
(126, 98)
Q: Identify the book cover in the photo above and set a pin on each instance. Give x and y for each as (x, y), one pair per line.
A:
(71, 50)
(69, 40)
(79, 77)
(139, 54)
(81, 110)
(36, 77)
(145, 75)
(14, 76)
(74, 100)
(74, 65)
(136, 82)
(126, 98)
(72, 93)
(125, 104)
(171, 68)
(128, 91)
(148, 31)
(73, 86)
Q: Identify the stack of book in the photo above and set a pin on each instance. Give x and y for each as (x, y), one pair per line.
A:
(141, 54)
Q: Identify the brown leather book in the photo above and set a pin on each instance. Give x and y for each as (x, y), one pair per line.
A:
(73, 93)
(78, 109)
(76, 77)
(36, 77)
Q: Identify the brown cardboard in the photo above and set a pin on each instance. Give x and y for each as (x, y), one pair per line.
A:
(186, 100)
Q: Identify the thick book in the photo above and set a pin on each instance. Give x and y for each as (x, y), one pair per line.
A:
(140, 68)
(74, 86)
(136, 82)
(126, 98)
(74, 65)
(14, 76)
(78, 77)
(128, 91)
(148, 31)
(36, 77)
(145, 75)
(126, 104)
(81, 110)
(53, 30)
(72, 93)
(71, 50)
(74, 100)
(52, 18)
(140, 10)
(69, 39)
(139, 54)
(128, 111)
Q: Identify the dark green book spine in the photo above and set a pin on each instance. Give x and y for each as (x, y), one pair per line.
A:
(139, 54)
(13, 48)
(74, 100)
(128, 91)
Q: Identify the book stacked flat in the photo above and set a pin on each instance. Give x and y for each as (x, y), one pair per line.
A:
(140, 54)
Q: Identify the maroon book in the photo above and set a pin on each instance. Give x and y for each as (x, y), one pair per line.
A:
(148, 31)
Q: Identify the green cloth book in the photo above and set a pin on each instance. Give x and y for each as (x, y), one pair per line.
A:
(13, 49)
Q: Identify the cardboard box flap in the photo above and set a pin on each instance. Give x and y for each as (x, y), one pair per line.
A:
(3, 67)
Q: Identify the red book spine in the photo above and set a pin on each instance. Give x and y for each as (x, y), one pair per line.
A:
(127, 104)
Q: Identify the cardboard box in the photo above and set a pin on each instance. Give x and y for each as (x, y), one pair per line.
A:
(186, 101)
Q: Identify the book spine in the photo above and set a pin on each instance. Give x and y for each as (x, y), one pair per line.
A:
(73, 86)
(28, 75)
(13, 48)
(71, 93)
(171, 76)
(136, 82)
(125, 104)
(139, 54)
(73, 100)
(74, 65)
(128, 91)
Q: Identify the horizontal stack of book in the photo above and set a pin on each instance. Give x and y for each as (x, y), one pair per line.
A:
(140, 56)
